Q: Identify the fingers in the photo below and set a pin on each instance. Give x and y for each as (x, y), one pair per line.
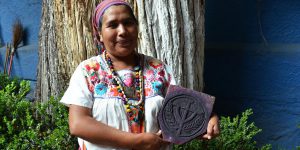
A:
(150, 141)
(205, 137)
(216, 129)
(216, 125)
(213, 129)
(209, 131)
(161, 141)
(158, 133)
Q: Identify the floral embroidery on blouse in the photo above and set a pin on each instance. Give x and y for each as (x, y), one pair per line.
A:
(100, 89)
(156, 77)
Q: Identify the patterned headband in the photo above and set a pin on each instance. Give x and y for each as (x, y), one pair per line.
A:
(99, 11)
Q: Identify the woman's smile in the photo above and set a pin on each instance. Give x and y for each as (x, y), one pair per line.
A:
(124, 43)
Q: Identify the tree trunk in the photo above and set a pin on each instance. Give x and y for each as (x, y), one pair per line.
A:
(65, 40)
(172, 31)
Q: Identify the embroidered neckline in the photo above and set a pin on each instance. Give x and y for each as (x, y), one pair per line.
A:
(135, 111)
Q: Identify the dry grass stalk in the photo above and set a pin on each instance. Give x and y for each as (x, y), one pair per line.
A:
(6, 57)
(17, 34)
(17, 39)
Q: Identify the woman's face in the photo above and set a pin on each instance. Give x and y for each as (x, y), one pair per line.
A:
(119, 31)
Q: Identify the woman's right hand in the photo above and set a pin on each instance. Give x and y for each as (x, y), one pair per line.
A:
(150, 141)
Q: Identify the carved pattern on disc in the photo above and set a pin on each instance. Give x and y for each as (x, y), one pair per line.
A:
(184, 116)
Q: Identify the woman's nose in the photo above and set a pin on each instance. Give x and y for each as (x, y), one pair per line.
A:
(122, 29)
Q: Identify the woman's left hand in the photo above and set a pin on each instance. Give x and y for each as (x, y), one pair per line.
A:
(213, 128)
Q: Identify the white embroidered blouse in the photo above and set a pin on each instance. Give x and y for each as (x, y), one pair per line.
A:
(91, 86)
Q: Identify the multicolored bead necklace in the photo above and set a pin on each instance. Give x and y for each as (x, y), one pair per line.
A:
(135, 111)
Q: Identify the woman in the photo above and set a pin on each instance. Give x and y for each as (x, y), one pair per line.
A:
(114, 97)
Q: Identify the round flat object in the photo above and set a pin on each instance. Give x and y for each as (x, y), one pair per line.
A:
(185, 114)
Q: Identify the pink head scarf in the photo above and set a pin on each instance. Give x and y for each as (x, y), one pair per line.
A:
(99, 11)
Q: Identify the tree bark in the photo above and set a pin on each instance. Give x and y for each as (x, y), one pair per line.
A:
(172, 31)
(65, 40)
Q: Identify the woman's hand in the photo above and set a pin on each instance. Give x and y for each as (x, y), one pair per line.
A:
(213, 128)
(150, 141)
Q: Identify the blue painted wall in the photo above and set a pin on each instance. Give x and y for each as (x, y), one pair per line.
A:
(26, 57)
(252, 60)
(28, 11)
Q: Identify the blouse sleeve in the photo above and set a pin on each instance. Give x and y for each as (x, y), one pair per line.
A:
(78, 92)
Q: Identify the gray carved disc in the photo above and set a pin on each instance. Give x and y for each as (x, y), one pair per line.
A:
(184, 115)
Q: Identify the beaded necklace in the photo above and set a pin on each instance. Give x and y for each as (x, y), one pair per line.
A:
(135, 111)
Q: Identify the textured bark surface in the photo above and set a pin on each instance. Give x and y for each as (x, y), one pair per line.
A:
(172, 31)
(65, 40)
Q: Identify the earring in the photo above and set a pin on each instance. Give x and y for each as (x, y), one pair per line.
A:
(100, 47)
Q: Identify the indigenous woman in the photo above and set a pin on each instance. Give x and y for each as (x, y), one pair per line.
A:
(114, 98)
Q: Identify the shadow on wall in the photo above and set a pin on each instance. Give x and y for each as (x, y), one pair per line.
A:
(25, 36)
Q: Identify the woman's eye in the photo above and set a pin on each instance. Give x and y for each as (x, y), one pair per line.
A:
(112, 25)
(129, 22)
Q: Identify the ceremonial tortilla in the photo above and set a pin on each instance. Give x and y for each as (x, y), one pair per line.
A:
(185, 114)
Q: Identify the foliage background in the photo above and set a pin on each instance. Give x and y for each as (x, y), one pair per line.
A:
(31, 125)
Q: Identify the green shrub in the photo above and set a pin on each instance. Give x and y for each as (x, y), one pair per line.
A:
(236, 134)
(5, 80)
(30, 125)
